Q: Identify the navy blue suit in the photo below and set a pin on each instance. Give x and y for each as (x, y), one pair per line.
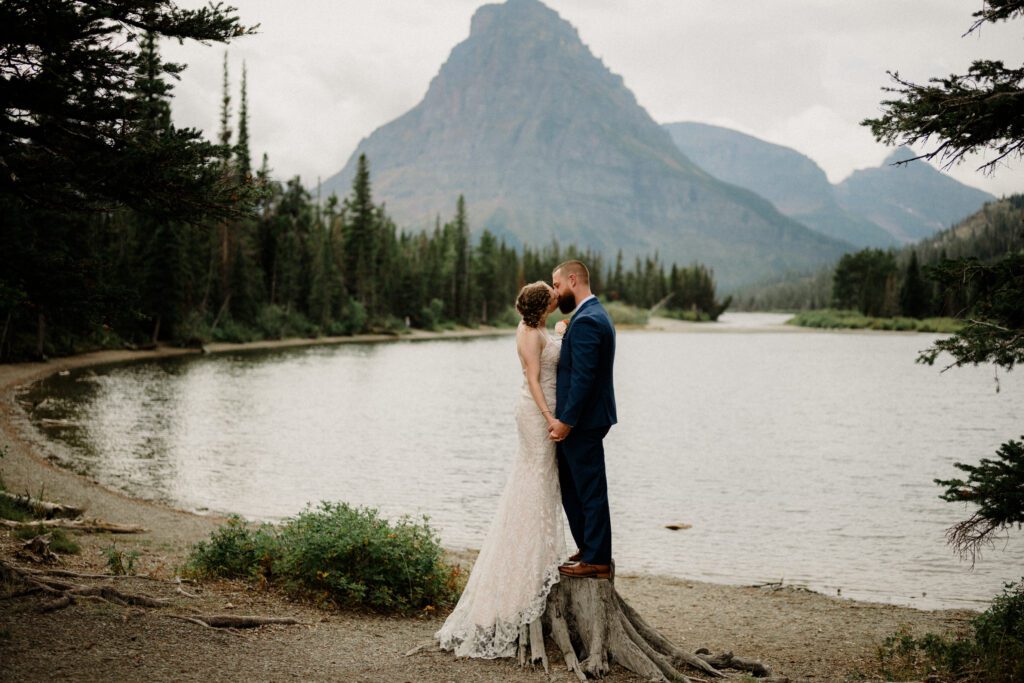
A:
(585, 400)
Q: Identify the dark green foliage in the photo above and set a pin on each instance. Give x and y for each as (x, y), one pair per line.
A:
(996, 487)
(914, 291)
(350, 556)
(234, 550)
(966, 114)
(78, 281)
(988, 235)
(866, 281)
(992, 652)
(336, 555)
(75, 133)
(994, 332)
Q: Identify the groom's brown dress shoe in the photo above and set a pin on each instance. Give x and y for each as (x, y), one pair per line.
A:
(585, 570)
(575, 557)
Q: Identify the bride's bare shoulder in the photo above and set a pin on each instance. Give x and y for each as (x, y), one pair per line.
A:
(530, 337)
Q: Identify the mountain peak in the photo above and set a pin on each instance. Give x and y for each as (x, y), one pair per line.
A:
(544, 142)
(900, 154)
(518, 16)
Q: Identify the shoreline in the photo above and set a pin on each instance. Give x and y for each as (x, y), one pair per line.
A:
(14, 421)
(800, 632)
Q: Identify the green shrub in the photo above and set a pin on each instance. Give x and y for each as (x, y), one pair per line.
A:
(235, 550)
(992, 652)
(336, 555)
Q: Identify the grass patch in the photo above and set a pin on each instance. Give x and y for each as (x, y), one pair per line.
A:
(830, 318)
(624, 314)
(337, 556)
(992, 651)
(9, 509)
(60, 542)
(687, 315)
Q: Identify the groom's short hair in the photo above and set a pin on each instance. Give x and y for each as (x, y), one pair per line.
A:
(575, 267)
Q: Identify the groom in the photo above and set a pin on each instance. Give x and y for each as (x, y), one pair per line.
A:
(584, 412)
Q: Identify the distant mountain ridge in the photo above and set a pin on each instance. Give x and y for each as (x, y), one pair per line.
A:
(794, 183)
(546, 142)
(912, 201)
(877, 207)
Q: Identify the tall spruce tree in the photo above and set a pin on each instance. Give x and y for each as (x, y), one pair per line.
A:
(361, 239)
(68, 130)
(243, 158)
(914, 292)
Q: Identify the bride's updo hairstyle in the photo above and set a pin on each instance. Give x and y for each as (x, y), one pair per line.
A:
(532, 302)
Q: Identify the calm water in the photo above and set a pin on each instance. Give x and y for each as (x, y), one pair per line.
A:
(801, 456)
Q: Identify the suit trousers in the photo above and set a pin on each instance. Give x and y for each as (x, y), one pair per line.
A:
(584, 485)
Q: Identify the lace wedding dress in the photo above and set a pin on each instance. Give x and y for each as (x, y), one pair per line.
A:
(519, 558)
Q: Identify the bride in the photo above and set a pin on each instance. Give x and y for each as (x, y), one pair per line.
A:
(518, 562)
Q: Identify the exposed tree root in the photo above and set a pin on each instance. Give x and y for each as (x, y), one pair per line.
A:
(86, 525)
(63, 594)
(232, 621)
(588, 616)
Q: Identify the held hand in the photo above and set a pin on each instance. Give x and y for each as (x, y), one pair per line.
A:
(558, 431)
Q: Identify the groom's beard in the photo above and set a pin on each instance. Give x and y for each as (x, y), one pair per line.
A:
(567, 302)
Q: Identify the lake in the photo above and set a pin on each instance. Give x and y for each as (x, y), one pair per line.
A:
(802, 456)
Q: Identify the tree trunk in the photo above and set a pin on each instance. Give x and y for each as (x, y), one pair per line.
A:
(592, 626)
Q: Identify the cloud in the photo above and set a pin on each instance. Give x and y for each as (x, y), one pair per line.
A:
(323, 74)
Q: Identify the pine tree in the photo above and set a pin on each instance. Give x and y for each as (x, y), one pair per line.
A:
(914, 293)
(461, 273)
(243, 159)
(361, 239)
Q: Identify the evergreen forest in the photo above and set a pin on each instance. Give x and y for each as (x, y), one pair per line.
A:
(280, 262)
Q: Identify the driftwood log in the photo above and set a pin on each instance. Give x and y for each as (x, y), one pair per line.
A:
(86, 525)
(42, 508)
(592, 626)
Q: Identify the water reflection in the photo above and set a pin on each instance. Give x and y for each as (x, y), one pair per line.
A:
(807, 457)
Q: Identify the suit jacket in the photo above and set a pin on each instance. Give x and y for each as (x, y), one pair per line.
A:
(585, 394)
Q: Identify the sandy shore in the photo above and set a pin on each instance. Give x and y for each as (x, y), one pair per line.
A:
(800, 634)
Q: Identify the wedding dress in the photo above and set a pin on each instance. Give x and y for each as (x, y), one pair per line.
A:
(518, 562)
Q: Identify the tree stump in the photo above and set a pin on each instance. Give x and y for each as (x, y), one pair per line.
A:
(592, 625)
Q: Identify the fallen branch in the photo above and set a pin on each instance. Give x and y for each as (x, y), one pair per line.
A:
(42, 508)
(86, 525)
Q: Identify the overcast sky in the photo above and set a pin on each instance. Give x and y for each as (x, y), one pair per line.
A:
(323, 74)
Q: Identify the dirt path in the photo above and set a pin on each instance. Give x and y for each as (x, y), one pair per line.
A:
(801, 634)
